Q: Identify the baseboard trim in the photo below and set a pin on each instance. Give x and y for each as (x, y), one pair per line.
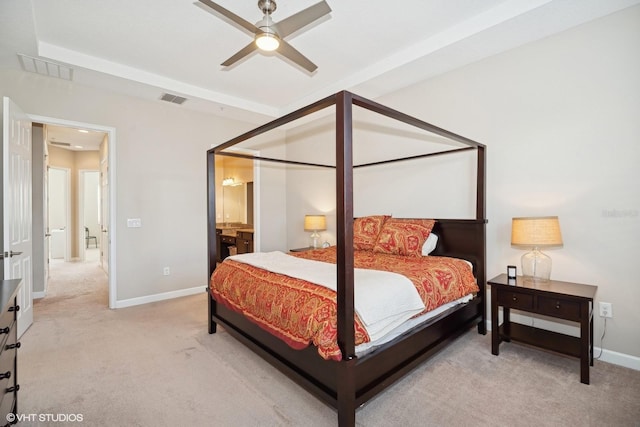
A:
(159, 297)
(616, 358)
(38, 295)
(609, 356)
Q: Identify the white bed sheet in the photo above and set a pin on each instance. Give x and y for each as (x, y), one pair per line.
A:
(367, 347)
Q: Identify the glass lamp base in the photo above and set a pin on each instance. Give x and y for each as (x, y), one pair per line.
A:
(314, 241)
(537, 265)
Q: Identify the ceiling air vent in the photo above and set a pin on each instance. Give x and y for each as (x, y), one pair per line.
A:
(173, 98)
(45, 68)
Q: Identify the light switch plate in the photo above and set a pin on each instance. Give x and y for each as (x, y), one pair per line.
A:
(134, 222)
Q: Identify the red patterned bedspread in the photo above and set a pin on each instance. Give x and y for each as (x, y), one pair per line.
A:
(299, 312)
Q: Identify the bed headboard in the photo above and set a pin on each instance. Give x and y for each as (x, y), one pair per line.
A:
(463, 238)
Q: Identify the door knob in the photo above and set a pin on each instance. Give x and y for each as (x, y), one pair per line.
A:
(9, 254)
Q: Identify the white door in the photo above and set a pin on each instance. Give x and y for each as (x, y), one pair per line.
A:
(17, 206)
(103, 210)
(59, 213)
(88, 216)
(45, 208)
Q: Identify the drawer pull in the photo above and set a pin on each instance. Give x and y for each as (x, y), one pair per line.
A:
(514, 298)
(15, 308)
(12, 389)
(5, 375)
(4, 330)
(12, 346)
(558, 305)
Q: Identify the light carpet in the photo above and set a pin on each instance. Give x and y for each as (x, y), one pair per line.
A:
(156, 365)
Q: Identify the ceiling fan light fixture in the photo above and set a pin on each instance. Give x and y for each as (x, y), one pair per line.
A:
(267, 42)
(269, 36)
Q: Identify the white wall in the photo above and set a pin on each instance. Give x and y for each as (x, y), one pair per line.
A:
(560, 118)
(160, 176)
(438, 187)
(270, 195)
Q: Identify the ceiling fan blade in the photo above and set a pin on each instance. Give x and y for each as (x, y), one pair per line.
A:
(292, 54)
(208, 5)
(241, 54)
(302, 18)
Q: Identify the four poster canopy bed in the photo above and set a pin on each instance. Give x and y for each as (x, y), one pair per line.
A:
(326, 336)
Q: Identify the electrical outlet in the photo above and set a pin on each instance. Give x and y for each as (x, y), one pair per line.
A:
(166, 271)
(606, 309)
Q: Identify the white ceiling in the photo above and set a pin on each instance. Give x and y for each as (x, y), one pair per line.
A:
(74, 139)
(147, 47)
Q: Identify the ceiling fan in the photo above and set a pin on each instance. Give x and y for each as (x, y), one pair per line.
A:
(269, 35)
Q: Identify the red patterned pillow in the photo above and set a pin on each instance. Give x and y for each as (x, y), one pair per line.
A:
(366, 230)
(403, 236)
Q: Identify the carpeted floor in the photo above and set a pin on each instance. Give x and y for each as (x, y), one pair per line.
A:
(156, 365)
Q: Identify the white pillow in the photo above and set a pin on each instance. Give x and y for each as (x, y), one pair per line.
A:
(429, 244)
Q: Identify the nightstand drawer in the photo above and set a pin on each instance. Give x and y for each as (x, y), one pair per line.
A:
(515, 300)
(557, 307)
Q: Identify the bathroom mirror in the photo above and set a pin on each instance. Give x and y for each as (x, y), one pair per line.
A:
(238, 203)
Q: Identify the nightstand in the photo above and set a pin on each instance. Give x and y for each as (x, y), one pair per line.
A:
(308, 248)
(561, 300)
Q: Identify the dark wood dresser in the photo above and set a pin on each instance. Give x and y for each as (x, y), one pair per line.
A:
(9, 351)
(240, 241)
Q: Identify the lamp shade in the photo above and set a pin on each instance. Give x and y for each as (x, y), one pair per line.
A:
(315, 223)
(542, 231)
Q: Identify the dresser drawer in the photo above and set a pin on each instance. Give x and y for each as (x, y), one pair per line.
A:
(228, 239)
(12, 338)
(8, 317)
(7, 367)
(6, 332)
(558, 307)
(245, 235)
(518, 300)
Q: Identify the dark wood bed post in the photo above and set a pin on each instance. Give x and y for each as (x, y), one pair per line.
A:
(211, 230)
(345, 264)
(481, 275)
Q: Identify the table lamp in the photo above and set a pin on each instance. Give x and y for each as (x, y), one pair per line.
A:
(536, 233)
(315, 223)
